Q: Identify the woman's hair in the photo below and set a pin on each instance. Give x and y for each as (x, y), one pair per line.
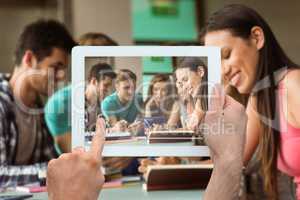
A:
(170, 90)
(239, 20)
(193, 64)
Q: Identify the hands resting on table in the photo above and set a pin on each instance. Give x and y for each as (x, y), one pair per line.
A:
(77, 175)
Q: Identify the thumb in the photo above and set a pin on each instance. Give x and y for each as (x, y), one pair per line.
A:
(217, 98)
(98, 140)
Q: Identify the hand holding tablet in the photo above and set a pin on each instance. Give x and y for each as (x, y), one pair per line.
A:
(224, 133)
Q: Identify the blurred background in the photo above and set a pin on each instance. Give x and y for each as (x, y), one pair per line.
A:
(135, 22)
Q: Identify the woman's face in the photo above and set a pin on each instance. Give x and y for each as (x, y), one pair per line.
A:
(160, 91)
(239, 58)
(182, 82)
(190, 80)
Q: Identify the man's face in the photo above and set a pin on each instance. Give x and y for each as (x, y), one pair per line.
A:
(125, 90)
(104, 87)
(49, 71)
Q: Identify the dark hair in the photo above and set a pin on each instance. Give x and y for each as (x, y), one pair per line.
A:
(41, 37)
(98, 39)
(193, 63)
(100, 71)
(239, 20)
(124, 75)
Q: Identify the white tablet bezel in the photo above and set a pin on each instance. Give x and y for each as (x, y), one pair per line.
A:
(79, 53)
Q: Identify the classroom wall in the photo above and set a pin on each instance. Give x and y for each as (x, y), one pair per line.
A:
(113, 18)
(14, 15)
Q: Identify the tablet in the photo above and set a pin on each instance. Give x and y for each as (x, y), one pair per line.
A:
(136, 59)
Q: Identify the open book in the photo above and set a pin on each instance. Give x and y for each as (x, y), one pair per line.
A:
(171, 177)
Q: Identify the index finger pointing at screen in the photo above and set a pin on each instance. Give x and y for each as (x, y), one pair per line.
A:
(98, 139)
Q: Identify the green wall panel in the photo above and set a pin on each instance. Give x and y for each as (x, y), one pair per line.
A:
(157, 20)
(157, 65)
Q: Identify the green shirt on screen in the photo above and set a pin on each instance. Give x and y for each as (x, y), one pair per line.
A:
(111, 106)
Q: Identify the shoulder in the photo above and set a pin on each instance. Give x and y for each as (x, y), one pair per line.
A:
(292, 81)
(61, 94)
(59, 102)
(292, 85)
(5, 90)
(109, 100)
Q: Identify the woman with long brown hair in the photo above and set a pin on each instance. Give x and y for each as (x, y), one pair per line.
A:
(192, 87)
(160, 97)
(255, 64)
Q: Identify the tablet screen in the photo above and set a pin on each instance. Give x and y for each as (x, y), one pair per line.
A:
(146, 95)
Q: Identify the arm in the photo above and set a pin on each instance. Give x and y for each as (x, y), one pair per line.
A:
(174, 118)
(108, 110)
(64, 142)
(148, 105)
(195, 117)
(292, 83)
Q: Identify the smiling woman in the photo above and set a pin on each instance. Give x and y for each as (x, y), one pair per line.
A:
(254, 63)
